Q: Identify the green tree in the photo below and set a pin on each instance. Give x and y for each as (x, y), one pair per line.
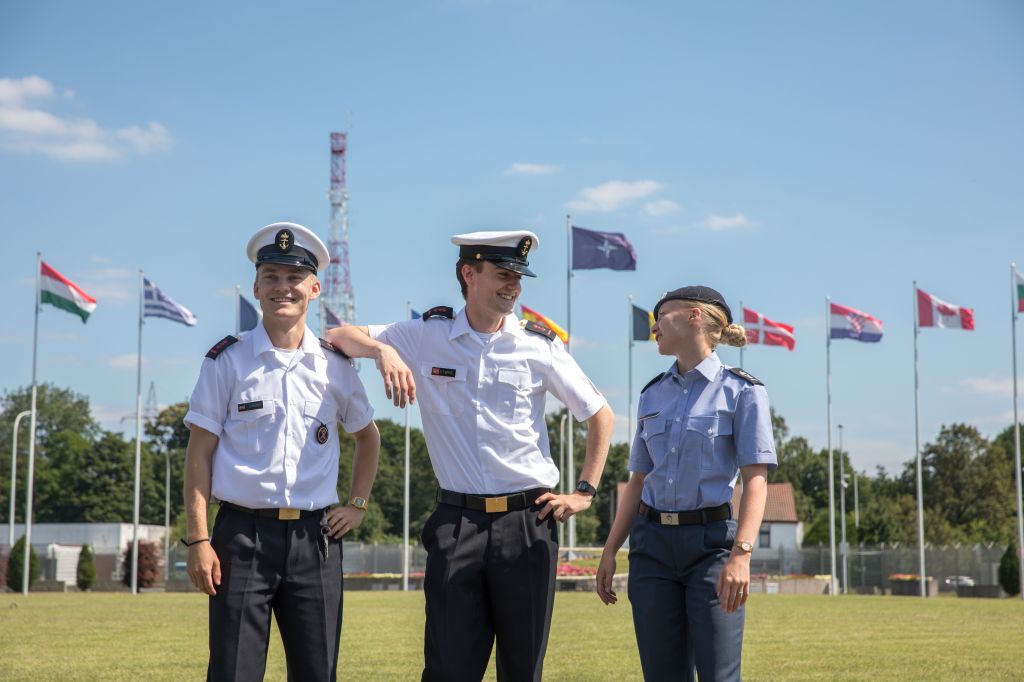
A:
(167, 437)
(85, 575)
(1009, 570)
(15, 566)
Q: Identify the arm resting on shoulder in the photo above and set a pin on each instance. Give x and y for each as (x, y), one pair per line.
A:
(356, 342)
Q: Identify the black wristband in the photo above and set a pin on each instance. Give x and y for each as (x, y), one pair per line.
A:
(194, 542)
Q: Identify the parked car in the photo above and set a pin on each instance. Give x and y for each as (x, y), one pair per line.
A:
(958, 580)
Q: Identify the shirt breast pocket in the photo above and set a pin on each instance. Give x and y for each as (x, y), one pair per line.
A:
(256, 426)
(321, 422)
(515, 388)
(701, 432)
(442, 389)
(655, 435)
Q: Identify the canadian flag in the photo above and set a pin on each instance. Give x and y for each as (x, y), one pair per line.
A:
(768, 332)
(934, 312)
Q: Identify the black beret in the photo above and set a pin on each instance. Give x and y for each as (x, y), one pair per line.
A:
(699, 294)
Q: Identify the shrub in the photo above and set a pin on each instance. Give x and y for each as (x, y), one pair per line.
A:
(1009, 570)
(15, 563)
(150, 560)
(86, 574)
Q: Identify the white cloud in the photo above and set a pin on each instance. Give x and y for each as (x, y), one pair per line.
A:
(531, 169)
(719, 223)
(661, 207)
(110, 285)
(27, 127)
(126, 361)
(613, 195)
(1002, 388)
(56, 336)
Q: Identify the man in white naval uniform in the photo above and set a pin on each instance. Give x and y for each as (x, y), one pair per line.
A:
(482, 379)
(264, 441)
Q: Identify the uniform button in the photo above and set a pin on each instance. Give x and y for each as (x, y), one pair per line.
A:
(670, 480)
(678, 420)
(711, 430)
(673, 449)
(686, 390)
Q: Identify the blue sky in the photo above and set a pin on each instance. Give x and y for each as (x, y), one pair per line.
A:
(779, 152)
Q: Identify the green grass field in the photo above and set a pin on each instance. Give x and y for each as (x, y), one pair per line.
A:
(163, 637)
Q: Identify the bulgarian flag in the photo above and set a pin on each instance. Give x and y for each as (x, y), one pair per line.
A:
(534, 316)
(934, 312)
(59, 291)
(1019, 281)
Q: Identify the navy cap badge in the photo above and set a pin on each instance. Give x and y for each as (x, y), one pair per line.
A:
(524, 246)
(284, 240)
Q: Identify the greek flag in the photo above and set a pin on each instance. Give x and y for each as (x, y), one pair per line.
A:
(159, 304)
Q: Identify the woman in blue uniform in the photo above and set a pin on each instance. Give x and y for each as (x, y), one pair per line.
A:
(699, 424)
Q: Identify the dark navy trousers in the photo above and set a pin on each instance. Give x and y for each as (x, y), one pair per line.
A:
(488, 577)
(271, 566)
(680, 627)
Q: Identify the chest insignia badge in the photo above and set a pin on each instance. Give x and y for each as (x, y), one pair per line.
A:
(442, 372)
(254, 405)
(322, 434)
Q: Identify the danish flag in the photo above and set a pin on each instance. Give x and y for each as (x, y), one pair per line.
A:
(768, 332)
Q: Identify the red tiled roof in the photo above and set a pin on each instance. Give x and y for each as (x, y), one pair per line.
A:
(780, 506)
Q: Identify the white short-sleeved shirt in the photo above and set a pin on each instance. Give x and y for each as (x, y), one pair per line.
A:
(267, 407)
(482, 400)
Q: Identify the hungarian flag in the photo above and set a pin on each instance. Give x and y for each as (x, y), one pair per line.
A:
(848, 323)
(643, 323)
(934, 312)
(1020, 291)
(61, 292)
(534, 316)
(768, 332)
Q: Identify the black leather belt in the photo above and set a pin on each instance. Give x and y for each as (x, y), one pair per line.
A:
(491, 503)
(687, 518)
(281, 514)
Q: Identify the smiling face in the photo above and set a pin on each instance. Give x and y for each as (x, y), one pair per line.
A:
(492, 291)
(284, 291)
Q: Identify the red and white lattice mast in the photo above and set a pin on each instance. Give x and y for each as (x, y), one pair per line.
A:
(338, 300)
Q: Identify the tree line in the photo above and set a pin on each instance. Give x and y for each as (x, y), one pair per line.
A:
(84, 473)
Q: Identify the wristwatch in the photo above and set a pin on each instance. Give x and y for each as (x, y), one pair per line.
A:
(359, 503)
(744, 546)
(586, 488)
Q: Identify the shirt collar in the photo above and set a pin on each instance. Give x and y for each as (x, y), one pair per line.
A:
(461, 325)
(261, 343)
(709, 367)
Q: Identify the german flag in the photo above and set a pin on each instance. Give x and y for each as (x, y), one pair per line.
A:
(534, 316)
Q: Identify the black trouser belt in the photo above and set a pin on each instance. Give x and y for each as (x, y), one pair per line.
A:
(491, 503)
(687, 518)
(282, 514)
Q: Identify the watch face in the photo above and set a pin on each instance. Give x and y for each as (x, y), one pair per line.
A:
(359, 502)
(585, 487)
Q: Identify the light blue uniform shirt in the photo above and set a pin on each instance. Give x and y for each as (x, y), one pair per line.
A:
(694, 432)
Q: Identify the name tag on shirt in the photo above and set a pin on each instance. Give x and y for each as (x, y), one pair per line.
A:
(255, 405)
(442, 371)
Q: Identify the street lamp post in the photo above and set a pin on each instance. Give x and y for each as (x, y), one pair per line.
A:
(842, 507)
(14, 478)
(561, 468)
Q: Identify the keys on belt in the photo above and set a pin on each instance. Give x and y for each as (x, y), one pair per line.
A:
(687, 518)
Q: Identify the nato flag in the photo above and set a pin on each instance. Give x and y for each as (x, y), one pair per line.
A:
(592, 249)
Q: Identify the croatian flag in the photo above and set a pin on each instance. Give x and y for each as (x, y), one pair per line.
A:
(768, 332)
(848, 323)
(934, 312)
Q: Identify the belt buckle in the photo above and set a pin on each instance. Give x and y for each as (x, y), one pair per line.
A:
(669, 519)
(286, 514)
(496, 504)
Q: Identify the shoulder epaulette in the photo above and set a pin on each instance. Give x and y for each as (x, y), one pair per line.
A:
(746, 376)
(221, 346)
(652, 382)
(327, 345)
(537, 328)
(442, 311)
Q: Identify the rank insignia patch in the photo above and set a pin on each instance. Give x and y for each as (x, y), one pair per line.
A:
(322, 434)
(254, 405)
(442, 372)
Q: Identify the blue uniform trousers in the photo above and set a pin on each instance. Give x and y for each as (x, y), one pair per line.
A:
(271, 566)
(680, 626)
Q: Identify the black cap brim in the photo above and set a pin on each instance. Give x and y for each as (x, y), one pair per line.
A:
(514, 267)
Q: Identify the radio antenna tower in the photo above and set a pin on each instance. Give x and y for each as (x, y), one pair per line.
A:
(338, 301)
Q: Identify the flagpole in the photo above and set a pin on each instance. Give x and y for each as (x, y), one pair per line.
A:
(629, 327)
(917, 451)
(138, 444)
(741, 347)
(25, 565)
(568, 348)
(831, 465)
(238, 310)
(1016, 431)
(405, 513)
